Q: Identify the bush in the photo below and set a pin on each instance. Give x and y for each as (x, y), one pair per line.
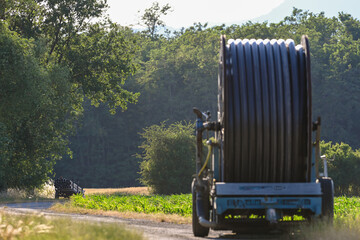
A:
(343, 167)
(168, 158)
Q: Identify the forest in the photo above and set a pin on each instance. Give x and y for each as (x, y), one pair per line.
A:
(76, 93)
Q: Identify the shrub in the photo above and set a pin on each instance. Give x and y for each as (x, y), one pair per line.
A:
(343, 167)
(168, 158)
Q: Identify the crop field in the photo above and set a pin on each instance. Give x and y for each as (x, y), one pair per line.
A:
(347, 209)
(174, 204)
(347, 212)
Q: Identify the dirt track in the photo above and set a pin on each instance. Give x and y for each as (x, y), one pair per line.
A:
(151, 230)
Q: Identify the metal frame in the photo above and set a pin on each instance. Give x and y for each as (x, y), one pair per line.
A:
(268, 189)
(222, 204)
(271, 197)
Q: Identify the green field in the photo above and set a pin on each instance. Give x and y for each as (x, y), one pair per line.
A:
(347, 212)
(174, 204)
(347, 209)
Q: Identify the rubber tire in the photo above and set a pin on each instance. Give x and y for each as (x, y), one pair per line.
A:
(198, 230)
(327, 202)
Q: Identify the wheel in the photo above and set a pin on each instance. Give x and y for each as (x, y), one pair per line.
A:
(198, 230)
(327, 188)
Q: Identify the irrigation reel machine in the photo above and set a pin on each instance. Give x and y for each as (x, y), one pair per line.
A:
(262, 168)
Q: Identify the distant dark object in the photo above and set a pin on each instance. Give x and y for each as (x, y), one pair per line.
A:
(65, 188)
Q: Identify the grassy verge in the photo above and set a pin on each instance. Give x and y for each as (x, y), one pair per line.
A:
(37, 227)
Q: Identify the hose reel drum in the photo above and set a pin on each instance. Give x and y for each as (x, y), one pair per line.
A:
(264, 107)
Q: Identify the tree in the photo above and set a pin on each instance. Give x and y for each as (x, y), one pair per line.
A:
(99, 55)
(351, 25)
(101, 59)
(179, 73)
(152, 18)
(51, 59)
(23, 16)
(168, 158)
(5, 153)
(35, 113)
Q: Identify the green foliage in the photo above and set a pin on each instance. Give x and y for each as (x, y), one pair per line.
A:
(5, 152)
(343, 167)
(51, 59)
(35, 106)
(347, 214)
(179, 72)
(347, 207)
(101, 60)
(98, 55)
(23, 16)
(173, 204)
(168, 157)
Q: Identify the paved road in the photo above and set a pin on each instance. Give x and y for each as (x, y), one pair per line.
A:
(152, 230)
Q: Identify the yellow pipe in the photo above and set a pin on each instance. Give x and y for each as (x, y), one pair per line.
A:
(207, 159)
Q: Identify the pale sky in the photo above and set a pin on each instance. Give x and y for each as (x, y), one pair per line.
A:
(187, 12)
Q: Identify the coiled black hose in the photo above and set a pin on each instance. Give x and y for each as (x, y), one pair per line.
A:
(265, 110)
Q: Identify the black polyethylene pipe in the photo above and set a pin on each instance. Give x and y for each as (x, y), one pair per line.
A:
(265, 110)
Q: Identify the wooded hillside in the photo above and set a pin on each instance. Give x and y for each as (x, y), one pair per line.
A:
(179, 71)
(77, 89)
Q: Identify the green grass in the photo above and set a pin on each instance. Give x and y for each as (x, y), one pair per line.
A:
(174, 204)
(37, 227)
